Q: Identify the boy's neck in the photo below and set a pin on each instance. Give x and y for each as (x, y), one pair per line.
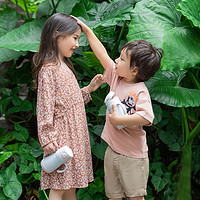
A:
(130, 81)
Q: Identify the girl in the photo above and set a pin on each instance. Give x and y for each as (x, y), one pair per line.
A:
(61, 114)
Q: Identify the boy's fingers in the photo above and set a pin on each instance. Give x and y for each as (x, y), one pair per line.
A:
(114, 108)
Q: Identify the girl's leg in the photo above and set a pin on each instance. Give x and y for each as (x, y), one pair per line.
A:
(56, 194)
(69, 194)
(115, 199)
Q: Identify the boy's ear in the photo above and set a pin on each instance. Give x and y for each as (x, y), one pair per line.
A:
(134, 70)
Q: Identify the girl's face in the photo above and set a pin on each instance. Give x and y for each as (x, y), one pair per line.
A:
(67, 44)
(122, 67)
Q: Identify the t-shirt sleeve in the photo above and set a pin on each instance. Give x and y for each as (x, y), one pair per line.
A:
(45, 106)
(144, 108)
(109, 72)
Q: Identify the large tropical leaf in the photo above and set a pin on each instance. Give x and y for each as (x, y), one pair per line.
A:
(165, 88)
(110, 14)
(191, 9)
(103, 14)
(24, 38)
(159, 22)
(81, 9)
(8, 21)
(66, 6)
(8, 54)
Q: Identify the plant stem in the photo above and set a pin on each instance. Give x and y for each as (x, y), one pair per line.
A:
(185, 125)
(194, 132)
(27, 13)
(45, 194)
(115, 48)
(54, 6)
(184, 182)
(194, 79)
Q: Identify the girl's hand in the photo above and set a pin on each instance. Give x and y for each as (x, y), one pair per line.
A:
(114, 117)
(51, 147)
(95, 83)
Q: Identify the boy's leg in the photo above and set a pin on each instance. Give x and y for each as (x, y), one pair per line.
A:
(113, 187)
(133, 176)
(69, 194)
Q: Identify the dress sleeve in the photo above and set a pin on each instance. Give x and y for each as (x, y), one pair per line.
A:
(45, 106)
(86, 95)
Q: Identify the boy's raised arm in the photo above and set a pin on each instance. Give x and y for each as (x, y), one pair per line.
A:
(97, 47)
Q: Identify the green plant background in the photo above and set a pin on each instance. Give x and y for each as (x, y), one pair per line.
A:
(173, 140)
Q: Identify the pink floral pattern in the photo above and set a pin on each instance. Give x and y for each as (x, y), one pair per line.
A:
(61, 116)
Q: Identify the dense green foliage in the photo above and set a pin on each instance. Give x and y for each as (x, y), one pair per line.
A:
(173, 139)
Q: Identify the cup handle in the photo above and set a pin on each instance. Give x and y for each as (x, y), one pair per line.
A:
(61, 171)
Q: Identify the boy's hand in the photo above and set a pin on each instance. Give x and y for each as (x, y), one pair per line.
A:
(84, 27)
(114, 117)
(95, 83)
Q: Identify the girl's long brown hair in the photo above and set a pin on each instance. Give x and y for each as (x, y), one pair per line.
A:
(57, 25)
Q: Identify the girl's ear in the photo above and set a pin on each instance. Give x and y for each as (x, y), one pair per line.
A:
(134, 71)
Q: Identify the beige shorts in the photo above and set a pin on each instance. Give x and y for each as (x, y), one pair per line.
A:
(125, 176)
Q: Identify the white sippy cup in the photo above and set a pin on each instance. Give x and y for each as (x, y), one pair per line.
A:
(121, 109)
(52, 162)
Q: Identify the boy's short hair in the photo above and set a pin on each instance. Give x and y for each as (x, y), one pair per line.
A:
(145, 57)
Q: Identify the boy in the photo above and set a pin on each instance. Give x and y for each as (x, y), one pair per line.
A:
(126, 163)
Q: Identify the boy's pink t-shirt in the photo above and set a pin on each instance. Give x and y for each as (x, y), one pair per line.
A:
(129, 141)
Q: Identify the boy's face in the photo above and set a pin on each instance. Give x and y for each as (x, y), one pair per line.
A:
(123, 67)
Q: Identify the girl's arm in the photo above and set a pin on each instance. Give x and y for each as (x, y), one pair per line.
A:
(127, 120)
(97, 47)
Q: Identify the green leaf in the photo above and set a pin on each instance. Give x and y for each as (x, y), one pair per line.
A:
(160, 179)
(110, 14)
(8, 54)
(81, 9)
(30, 5)
(166, 137)
(12, 187)
(36, 176)
(8, 20)
(102, 110)
(22, 133)
(98, 129)
(92, 61)
(66, 6)
(24, 38)
(24, 151)
(4, 156)
(99, 149)
(165, 88)
(2, 195)
(26, 168)
(160, 23)
(191, 10)
(83, 194)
